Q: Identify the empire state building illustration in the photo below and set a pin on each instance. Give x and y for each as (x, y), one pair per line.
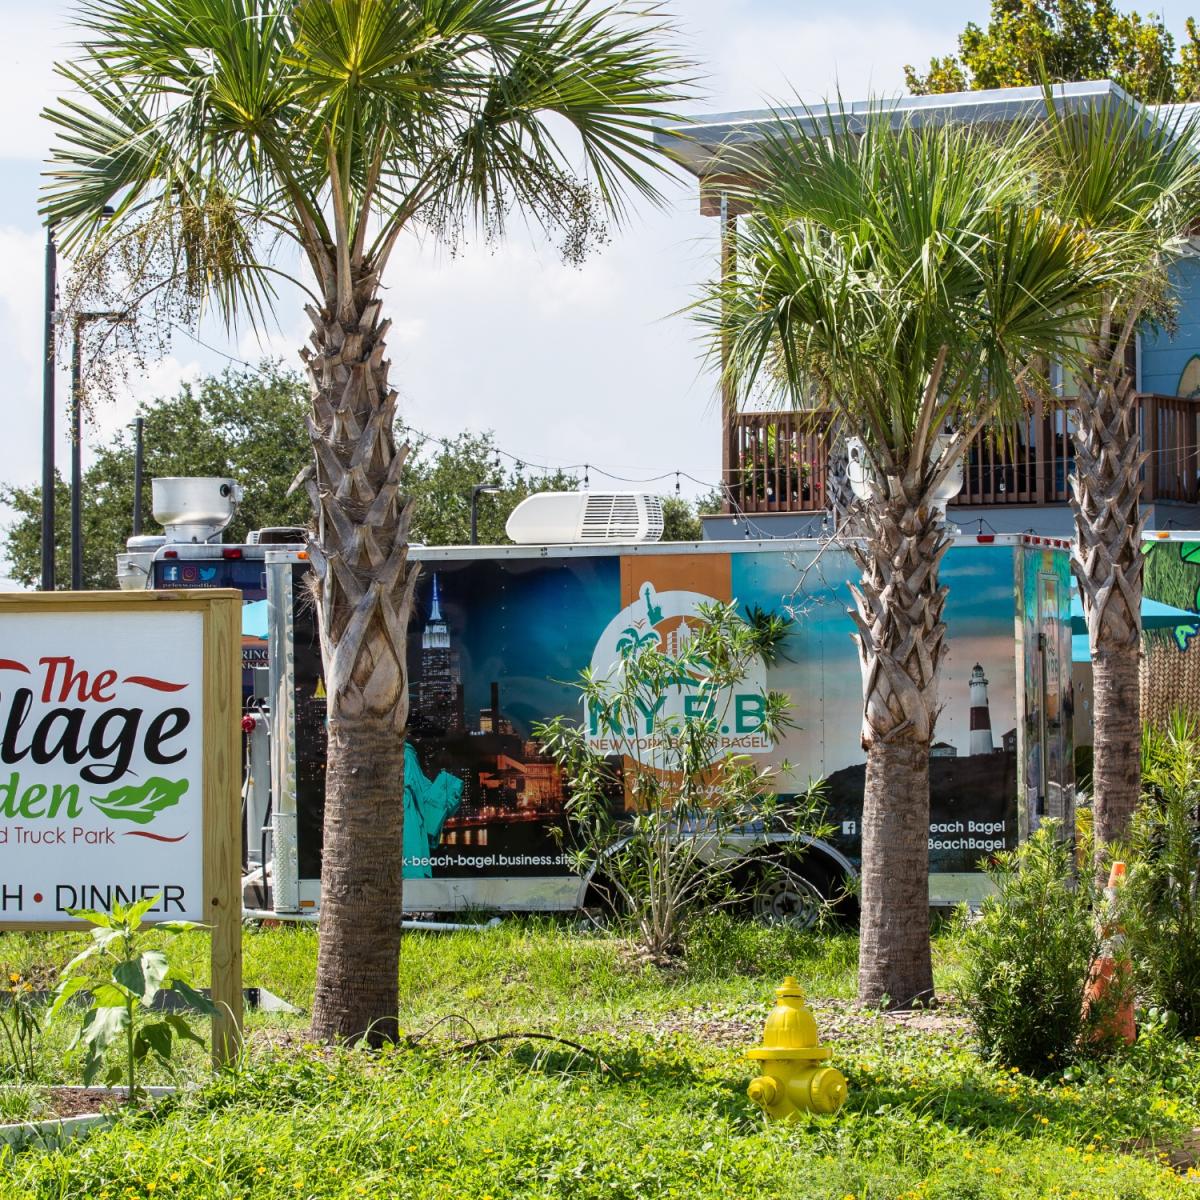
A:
(486, 781)
(439, 693)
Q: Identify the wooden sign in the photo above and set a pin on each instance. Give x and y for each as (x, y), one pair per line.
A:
(120, 766)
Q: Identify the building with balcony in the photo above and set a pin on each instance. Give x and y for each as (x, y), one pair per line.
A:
(775, 464)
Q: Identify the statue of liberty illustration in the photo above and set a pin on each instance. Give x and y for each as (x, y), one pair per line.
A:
(633, 638)
(427, 805)
(654, 613)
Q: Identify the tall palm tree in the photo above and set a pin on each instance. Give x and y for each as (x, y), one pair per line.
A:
(1132, 183)
(899, 276)
(218, 128)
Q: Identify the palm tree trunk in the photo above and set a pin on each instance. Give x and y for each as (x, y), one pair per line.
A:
(894, 966)
(363, 588)
(901, 642)
(361, 882)
(1106, 491)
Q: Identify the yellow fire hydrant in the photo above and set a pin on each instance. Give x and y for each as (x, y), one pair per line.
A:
(792, 1081)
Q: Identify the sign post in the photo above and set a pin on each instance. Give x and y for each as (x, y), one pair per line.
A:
(119, 766)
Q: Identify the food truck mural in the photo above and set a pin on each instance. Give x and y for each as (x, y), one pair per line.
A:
(500, 635)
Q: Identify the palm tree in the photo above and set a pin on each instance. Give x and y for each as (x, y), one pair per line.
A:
(1132, 183)
(898, 275)
(218, 128)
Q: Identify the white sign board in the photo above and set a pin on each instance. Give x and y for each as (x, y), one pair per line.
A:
(101, 762)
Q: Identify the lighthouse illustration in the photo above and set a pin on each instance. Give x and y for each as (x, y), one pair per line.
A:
(981, 720)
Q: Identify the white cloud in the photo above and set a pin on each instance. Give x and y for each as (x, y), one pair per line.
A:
(21, 265)
(254, 345)
(35, 37)
(814, 57)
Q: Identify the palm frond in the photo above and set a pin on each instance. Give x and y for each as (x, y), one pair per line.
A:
(1131, 180)
(326, 117)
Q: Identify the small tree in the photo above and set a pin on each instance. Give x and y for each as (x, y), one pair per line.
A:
(1030, 955)
(653, 737)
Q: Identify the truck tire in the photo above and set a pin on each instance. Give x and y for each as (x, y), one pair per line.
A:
(796, 889)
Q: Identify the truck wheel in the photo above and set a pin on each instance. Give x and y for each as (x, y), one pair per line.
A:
(785, 898)
(794, 891)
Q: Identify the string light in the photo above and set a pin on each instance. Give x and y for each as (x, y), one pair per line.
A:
(740, 518)
(543, 468)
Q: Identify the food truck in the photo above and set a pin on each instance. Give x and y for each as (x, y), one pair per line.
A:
(500, 634)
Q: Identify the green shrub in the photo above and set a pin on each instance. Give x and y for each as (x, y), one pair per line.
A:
(1028, 957)
(1162, 903)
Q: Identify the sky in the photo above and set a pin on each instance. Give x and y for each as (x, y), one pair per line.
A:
(567, 365)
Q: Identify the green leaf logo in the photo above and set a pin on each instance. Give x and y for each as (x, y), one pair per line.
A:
(141, 802)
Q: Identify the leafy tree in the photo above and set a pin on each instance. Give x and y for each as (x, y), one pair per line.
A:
(218, 129)
(1065, 40)
(903, 276)
(241, 423)
(681, 518)
(438, 479)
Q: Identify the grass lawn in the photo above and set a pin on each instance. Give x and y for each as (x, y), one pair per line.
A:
(656, 1108)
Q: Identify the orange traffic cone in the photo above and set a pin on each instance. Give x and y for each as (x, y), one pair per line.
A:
(1109, 990)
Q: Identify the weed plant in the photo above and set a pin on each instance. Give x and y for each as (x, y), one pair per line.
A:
(122, 975)
(657, 800)
(20, 1028)
(1162, 896)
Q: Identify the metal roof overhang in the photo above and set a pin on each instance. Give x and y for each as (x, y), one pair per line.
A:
(700, 143)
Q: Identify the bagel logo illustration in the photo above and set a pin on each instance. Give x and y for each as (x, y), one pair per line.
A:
(668, 622)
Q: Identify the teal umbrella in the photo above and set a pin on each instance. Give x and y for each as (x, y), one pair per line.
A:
(1155, 615)
(1081, 652)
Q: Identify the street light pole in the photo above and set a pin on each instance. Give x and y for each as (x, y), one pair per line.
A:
(48, 401)
(478, 490)
(139, 425)
(76, 462)
(80, 320)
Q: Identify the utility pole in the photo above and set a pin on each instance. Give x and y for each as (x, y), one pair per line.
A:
(48, 403)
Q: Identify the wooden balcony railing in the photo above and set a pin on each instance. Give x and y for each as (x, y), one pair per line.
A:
(779, 461)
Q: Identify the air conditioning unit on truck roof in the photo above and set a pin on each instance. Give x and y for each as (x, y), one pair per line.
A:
(595, 518)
